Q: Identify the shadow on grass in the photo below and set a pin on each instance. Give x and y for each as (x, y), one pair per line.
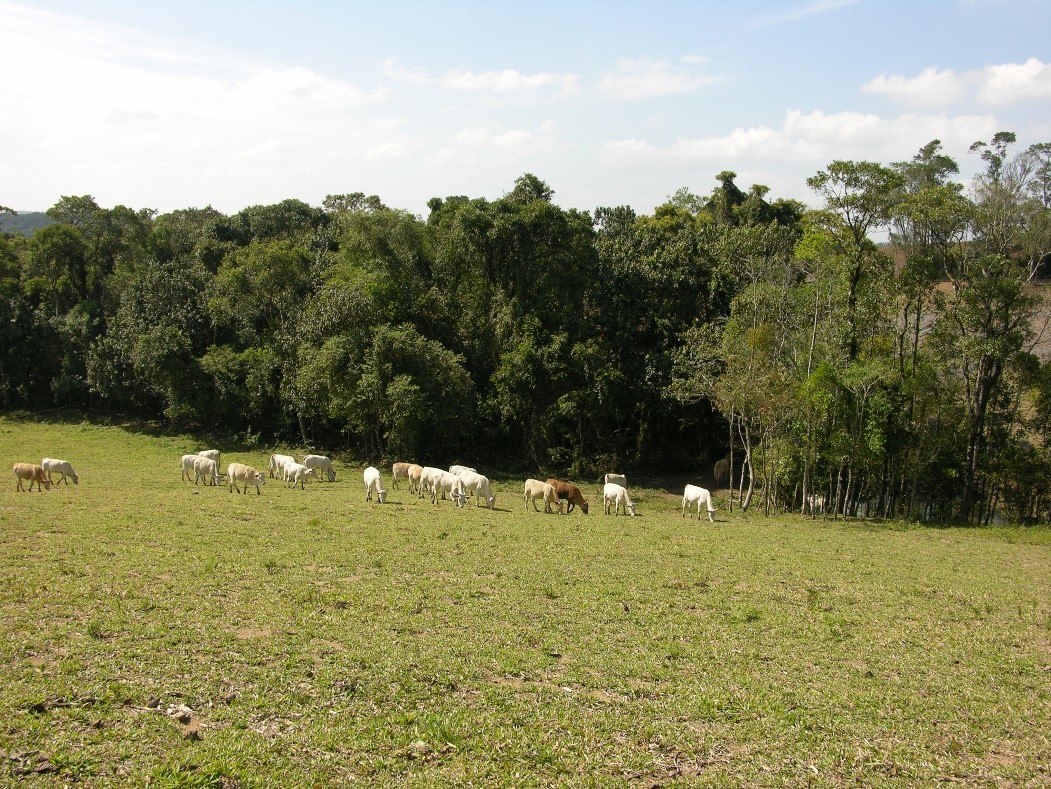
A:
(79, 415)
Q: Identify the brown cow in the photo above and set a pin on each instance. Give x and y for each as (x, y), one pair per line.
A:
(33, 473)
(571, 493)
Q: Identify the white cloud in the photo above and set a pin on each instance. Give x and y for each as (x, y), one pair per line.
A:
(931, 88)
(996, 85)
(646, 78)
(199, 124)
(1012, 83)
(506, 82)
(816, 138)
(474, 145)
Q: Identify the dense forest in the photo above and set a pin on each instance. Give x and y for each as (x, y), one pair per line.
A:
(902, 379)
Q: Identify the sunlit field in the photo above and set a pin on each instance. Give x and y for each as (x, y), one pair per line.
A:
(158, 633)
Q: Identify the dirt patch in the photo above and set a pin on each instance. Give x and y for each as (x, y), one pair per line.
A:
(250, 633)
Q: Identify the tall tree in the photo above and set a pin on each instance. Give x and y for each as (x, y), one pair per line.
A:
(859, 199)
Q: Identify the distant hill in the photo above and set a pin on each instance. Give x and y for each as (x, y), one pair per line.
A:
(24, 223)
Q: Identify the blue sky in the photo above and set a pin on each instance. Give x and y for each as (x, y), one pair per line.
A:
(175, 105)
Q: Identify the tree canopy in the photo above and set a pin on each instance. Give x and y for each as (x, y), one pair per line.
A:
(902, 379)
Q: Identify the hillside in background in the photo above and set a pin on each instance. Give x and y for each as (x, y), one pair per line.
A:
(24, 223)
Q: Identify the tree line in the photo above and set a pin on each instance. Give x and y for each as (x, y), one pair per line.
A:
(902, 379)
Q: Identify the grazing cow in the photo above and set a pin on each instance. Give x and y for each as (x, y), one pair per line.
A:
(445, 482)
(373, 484)
(63, 467)
(616, 496)
(206, 469)
(616, 479)
(33, 473)
(321, 463)
(276, 465)
(535, 489)
(477, 485)
(694, 495)
(239, 472)
(570, 493)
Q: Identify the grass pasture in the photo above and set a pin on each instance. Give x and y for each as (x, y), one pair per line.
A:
(155, 633)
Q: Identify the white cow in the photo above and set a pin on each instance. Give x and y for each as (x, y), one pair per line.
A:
(297, 474)
(63, 467)
(211, 454)
(428, 479)
(446, 482)
(373, 484)
(616, 479)
(205, 469)
(616, 496)
(454, 469)
(477, 485)
(321, 463)
(535, 489)
(276, 465)
(186, 464)
(239, 472)
(694, 495)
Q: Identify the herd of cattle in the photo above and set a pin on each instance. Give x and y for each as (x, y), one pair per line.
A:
(459, 483)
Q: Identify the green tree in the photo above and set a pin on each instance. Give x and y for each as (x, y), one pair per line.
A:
(859, 199)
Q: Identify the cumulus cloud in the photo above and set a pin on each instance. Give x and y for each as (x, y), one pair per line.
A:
(506, 82)
(815, 137)
(647, 78)
(991, 86)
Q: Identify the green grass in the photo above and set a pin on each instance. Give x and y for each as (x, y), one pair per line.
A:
(307, 638)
